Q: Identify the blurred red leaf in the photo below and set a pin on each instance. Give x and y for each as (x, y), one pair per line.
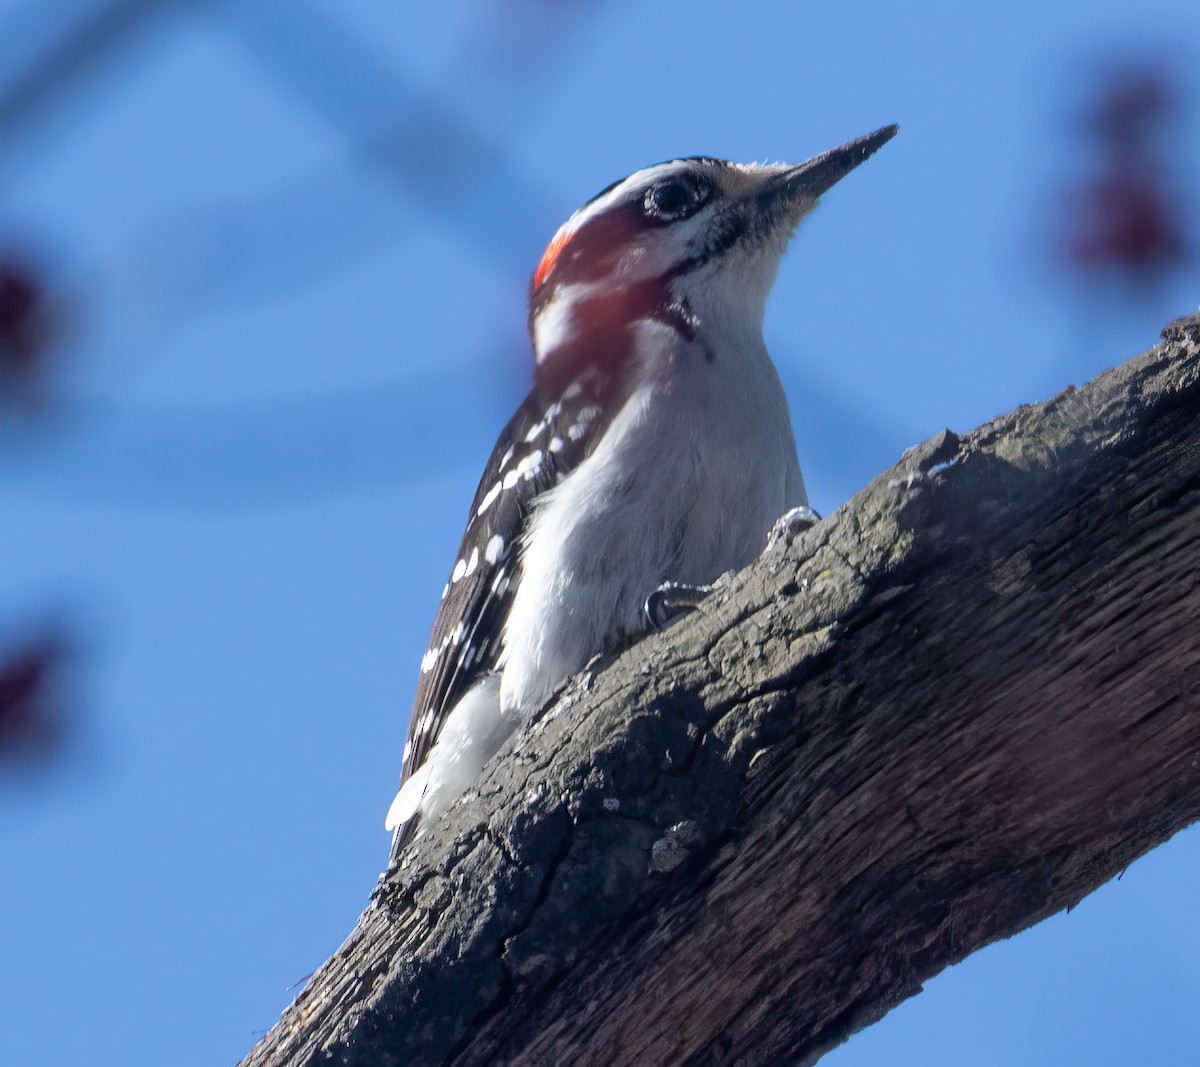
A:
(25, 332)
(1124, 216)
(30, 714)
(1129, 106)
(19, 301)
(1127, 222)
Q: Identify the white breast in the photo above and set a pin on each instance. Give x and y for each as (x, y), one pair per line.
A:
(685, 485)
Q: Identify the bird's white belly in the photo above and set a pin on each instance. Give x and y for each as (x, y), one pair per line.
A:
(602, 541)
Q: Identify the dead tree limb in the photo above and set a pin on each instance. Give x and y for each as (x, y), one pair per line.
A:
(955, 707)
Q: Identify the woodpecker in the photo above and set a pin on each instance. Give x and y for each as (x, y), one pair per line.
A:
(655, 450)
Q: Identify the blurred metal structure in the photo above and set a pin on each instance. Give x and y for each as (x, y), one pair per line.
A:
(90, 36)
(417, 139)
(55, 58)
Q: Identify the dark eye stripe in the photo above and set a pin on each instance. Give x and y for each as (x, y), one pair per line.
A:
(592, 249)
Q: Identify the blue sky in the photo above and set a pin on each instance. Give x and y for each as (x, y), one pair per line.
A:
(294, 241)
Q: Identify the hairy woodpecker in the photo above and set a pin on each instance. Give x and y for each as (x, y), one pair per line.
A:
(655, 447)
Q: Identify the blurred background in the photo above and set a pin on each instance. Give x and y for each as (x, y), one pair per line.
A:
(263, 268)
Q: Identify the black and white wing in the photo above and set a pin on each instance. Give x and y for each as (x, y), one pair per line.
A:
(552, 432)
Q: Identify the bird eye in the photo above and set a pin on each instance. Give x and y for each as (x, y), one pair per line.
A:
(673, 200)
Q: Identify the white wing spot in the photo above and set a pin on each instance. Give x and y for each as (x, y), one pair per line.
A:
(510, 479)
(556, 444)
(495, 549)
(533, 433)
(489, 499)
(573, 390)
(429, 660)
(528, 467)
(445, 590)
(460, 568)
(473, 562)
(459, 633)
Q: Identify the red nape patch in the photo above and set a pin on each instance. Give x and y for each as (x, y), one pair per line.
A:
(550, 256)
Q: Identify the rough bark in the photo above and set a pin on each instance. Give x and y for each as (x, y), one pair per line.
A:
(958, 705)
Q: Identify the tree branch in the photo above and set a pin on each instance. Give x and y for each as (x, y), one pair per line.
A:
(955, 707)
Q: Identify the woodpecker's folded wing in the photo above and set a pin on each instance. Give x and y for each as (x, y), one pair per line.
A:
(547, 438)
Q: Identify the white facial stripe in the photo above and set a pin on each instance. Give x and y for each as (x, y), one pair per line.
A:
(637, 183)
(552, 327)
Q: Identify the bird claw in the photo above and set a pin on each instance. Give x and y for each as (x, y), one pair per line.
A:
(791, 525)
(670, 601)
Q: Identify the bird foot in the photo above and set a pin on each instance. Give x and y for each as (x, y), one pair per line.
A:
(673, 600)
(791, 525)
(670, 601)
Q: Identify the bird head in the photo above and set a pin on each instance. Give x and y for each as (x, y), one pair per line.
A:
(698, 233)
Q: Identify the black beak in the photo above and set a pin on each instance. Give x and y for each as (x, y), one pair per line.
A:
(809, 180)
